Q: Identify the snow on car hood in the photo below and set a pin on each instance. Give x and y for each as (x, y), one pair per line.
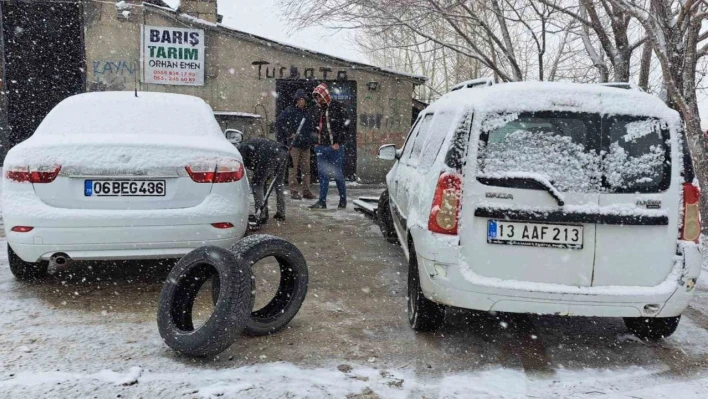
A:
(125, 151)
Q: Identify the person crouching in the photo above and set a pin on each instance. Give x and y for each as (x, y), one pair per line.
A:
(267, 159)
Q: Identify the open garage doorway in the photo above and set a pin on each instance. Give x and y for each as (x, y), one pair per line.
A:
(343, 91)
(44, 61)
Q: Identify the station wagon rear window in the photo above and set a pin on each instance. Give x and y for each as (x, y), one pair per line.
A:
(577, 152)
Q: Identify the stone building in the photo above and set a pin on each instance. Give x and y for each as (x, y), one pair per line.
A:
(248, 80)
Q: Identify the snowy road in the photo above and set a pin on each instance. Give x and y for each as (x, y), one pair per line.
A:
(92, 333)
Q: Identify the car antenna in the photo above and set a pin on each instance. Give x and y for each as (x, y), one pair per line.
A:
(136, 82)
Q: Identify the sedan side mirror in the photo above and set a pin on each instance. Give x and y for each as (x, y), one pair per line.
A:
(388, 152)
(234, 136)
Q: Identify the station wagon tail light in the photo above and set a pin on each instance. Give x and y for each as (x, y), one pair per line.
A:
(444, 215)
(691, 213)
(226, 171)
(33, 174)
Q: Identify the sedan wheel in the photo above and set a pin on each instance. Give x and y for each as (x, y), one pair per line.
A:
(26, 271)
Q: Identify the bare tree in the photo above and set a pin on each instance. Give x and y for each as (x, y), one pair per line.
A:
(613, 29)
(510, 40)
(674, 30)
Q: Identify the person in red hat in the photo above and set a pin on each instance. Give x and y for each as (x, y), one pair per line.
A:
(331, 127)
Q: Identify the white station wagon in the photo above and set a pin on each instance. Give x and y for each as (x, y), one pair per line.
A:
(546, 198)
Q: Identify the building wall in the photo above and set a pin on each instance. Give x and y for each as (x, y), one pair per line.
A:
(232, 83)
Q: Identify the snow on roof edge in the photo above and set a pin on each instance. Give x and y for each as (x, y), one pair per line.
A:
(561, 96)
(237, 114)
(418, 79)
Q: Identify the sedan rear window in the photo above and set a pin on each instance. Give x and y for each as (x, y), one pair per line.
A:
(577, 152)
(101, 115)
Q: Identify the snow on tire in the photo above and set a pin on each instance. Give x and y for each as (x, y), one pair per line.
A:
(292, 289)
(174, 315)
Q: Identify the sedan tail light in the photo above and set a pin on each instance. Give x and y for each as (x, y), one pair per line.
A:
(33, 174)
(225, 171)
(223, 225)
(691, 213)
(444, 215)
(229, 171)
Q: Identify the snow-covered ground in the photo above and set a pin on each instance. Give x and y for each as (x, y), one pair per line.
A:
(94, 334)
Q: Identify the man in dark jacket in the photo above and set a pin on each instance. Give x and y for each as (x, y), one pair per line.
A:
(295, 129)
(267, 159)
(331, 127)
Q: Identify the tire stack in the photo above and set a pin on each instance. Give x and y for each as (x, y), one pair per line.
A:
(232, 294)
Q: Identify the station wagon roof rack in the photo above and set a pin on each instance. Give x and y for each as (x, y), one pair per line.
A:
(470, 84)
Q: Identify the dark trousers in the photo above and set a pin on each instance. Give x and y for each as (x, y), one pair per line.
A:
(329, 165)
(263, 175)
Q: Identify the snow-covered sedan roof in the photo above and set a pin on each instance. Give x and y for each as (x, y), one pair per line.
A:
(105, 129)
(122, 112)
(556, 96)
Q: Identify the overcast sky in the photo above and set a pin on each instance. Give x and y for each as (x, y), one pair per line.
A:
(263, 18)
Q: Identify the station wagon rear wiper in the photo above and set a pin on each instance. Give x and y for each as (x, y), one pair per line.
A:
(522, 180)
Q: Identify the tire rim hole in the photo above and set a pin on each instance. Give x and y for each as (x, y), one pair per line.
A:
(193, 306)
(267, 285)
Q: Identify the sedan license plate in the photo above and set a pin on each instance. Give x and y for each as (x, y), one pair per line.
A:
(124, 188)
(535, 234)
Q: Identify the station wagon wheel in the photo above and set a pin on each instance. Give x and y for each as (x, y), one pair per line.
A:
(26, 271)
(652, 328)
(423, 314)
(384, 218)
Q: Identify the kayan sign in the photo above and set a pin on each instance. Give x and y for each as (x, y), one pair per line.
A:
(173, 56)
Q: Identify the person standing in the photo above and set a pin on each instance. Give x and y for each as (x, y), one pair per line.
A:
(331, 128)
(267, 159)
(295, 130)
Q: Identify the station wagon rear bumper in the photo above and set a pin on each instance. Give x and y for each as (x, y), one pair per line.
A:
(446, 279)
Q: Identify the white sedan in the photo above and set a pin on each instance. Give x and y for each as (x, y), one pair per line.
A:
(110, 176)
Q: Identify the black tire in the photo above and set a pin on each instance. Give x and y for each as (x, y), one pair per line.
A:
(423, 314)
(174, 314)
(292, 290)
(26, 271)
(652, 328)
(385, 219)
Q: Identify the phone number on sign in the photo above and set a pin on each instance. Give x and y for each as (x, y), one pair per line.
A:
(174, 73)
(184, 79)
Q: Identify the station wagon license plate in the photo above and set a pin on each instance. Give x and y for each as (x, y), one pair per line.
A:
(535, 234)
(124, 188)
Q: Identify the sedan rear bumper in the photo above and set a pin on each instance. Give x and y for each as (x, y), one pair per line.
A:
(135, 242)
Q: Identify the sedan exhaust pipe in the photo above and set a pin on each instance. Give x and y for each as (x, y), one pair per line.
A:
(60, 259)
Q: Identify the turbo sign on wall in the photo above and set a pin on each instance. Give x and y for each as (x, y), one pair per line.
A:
(173, 56)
